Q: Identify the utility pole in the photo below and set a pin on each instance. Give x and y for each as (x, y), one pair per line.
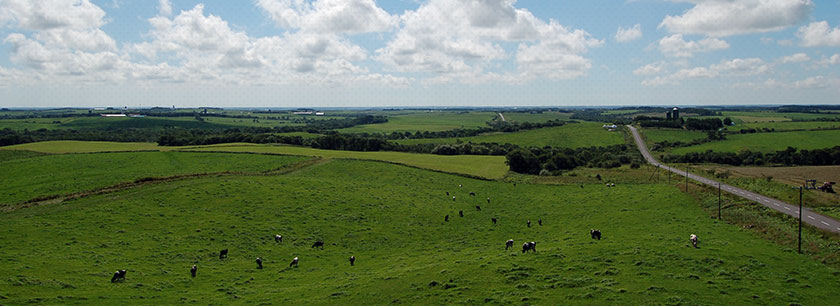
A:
(686, 178)
(800, 219)
(669, 176)
(718, 201)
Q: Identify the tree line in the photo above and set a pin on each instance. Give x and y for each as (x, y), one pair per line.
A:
(553, 161)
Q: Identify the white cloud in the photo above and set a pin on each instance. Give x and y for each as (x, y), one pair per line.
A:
(165, 8)
(794, 58)
(628, 34)
(738, 67)
(676, 46)
(650, 69)
(809, 83)
(819, 34)
(51, 14)
(741, 67)
(461, 40)
(812, 82)
(329, 16)
(720, 18)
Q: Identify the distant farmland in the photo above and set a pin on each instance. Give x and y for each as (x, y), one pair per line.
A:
(768, 142)
(572, 135)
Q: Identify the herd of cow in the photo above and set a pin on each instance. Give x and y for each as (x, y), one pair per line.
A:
(527, 246)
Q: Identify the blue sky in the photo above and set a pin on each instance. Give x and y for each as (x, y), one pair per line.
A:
(357, 53)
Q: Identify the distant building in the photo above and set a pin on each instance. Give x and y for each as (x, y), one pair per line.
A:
(319, 114)
(676, 114)
(112, 115)
(302, 113)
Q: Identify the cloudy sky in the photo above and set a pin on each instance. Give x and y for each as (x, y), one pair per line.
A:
(353, 53)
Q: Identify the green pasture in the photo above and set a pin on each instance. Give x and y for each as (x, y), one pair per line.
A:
(768, 142)
(492, 167)
(49, 175)
(572, 135)
(535, 118)
(391, 218)
(766, 116)
(654, 135)
(788, 125)
(426, 121)
(74, 146)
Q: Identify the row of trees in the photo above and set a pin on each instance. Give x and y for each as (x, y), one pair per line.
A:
(552, 161)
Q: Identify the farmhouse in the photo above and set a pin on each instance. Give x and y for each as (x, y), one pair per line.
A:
(112, 115)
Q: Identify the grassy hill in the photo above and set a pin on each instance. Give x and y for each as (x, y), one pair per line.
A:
(492, 167)
(48, 175)
(391, 218)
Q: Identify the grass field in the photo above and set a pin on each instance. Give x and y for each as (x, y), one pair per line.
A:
(49, 175)
(426, 121)
(788, 125)
(528, 117)
(765, 116)
(768, 142)
(654, 135)
(73, 146)
(573, 135)
(391, 219)
(492, 167)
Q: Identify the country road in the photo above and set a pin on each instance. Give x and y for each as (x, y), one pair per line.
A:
(808, 216)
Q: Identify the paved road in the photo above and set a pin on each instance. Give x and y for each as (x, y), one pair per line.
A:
(808, 216)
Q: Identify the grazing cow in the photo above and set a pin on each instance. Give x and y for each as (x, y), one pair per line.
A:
(318, 243)
(118, 276)
(539, 221)
(508, 244)
(447, 193)
(472, 193)
(459, 186)
(514, 184)
(193, 270)
(446, 218)
(278, 238)
(494, 220)
(612, 184)
(693, 239)
(352, 260)
(488, 200)
(294, 262)
(529, 223)
(461, 213)
(608, 185)
(595, 234)
(223, 253)
(453, 198)
(259, 263)
(529, 246)
(478, 208)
